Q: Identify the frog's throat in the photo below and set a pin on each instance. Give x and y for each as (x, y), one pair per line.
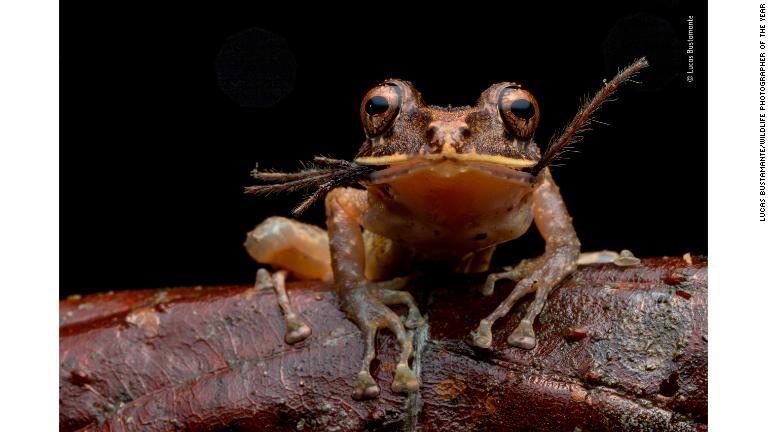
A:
(468, 157)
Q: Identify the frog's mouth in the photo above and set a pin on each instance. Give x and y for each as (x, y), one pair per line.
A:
(451, 168)
(444, 172)
(448, 193)
(450, 154)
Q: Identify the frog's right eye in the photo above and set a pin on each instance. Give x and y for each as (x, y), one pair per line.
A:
(519, 111)
(380, 108)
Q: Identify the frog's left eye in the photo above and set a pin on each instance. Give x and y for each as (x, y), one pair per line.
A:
(519, 111)
(380, 108)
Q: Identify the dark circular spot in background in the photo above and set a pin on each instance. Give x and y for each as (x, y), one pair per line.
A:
(646, 35)
(255, 68)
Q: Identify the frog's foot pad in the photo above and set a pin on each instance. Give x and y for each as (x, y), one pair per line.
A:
(482, 337)
(365, 387)
(511, 273)
(414, 319)
(490, 282)
(597, 257)
(296, 330)
(523, 336)
(405, 380)
(625, 258)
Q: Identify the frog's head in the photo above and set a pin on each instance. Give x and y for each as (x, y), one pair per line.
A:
(450, 164)
(489, 145)
(400, 127)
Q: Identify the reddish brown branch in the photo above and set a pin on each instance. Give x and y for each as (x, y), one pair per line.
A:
(621, 348)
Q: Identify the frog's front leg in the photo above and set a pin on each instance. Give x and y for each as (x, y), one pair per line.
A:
(366, 302)
(541, 274)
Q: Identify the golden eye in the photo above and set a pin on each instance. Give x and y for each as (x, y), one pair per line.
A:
(380, 108)
(519, 111)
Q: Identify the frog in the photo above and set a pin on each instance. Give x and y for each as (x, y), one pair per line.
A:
(429, 184)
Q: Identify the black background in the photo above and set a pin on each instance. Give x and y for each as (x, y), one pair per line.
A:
(162, 130)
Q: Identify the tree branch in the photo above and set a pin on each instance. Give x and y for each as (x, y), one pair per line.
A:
(620, 349)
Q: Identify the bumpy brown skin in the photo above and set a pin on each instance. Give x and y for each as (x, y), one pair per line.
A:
(452, 187)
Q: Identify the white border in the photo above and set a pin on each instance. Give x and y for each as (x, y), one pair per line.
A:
(738, 245)
(29, 214)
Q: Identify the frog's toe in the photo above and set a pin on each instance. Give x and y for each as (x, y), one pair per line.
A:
(489, 286)
(414, 319)
(480, 341)
(297, 332)
(524, 342)
(482, 337)
(523, 336)
(367, 306)
(365, 387)
(513, 274)
(390, 297)
(405, 380)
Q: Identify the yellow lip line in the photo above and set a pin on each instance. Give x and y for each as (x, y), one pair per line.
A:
(472, 157)
(399, 170)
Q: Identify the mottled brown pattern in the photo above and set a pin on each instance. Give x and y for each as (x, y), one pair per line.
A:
(414, 125)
